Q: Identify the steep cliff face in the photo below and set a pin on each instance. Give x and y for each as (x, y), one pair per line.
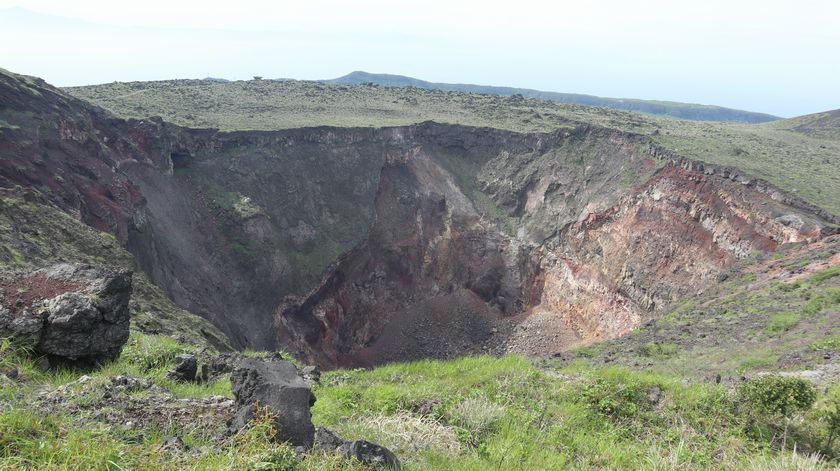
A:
(605, 229)
(66, 152)
(428, 259)
(443, 266)
(243, 220)
(360, 246)
(679, 230)
(668, 239)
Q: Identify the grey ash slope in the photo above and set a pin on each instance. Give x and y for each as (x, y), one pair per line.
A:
(691, 111)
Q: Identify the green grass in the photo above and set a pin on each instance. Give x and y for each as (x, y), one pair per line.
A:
(831, 343)
(507, 414)
(756, 320)
(758, 360)
(58, 442)
(658, 350)
(823, 275)
(781, 322)
(482, 413)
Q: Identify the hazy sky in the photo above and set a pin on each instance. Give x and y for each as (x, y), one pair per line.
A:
(775, 56)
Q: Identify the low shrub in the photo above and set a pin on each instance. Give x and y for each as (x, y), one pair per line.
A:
(777, 395)
(149, 352)
(658, 350)
(616, 399)
(773, 398)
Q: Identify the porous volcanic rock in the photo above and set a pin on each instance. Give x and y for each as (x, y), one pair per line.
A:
(363, 451)
(69, 312)
(278, 387)
(186, 368)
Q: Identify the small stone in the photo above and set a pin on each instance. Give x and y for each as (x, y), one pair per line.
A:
(655, 395)
(174, 444)
(328, 441)
(311, 374)
(426, 407)
(130, 383)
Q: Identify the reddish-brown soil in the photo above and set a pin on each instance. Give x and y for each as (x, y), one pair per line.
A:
(32, 289)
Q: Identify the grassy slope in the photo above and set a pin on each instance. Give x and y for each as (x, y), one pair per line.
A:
(779, 313)
(663, 108)
(469, 414)
(801, 160)
(33, 236)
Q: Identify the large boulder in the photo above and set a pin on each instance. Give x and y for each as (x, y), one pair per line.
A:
(69, 312)
(278, 387)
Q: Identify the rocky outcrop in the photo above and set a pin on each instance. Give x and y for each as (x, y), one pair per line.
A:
(69, 312)
(428, 260)
(277, 387)
(682, 228)
(185, 369)
(669, 238)
(363, 451)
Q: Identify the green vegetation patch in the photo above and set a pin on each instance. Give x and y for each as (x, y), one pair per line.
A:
(466, 414)
(658, 350)
(781, 321)
(487, 413)
(831, 343)
(823, 275)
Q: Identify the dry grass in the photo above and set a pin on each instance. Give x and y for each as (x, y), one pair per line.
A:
(790, 461)
(408, 434)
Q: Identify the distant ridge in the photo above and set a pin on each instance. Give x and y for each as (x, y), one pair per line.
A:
(661, 108)
(824, 125)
